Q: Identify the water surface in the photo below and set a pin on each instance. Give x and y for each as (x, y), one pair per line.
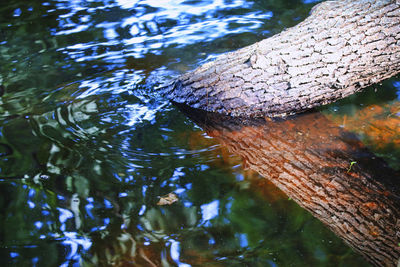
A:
(87, 147)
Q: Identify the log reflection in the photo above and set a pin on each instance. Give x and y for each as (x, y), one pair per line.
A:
(309, 158)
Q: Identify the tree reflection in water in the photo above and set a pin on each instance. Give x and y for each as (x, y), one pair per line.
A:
(87, 146)
(326, 170)
(92, 203)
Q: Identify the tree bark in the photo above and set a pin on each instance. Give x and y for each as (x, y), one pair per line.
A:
(342, 47)
(309, 158)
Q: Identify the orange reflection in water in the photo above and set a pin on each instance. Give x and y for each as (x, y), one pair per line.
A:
(327, 170)
(223, 158)
(378, 124)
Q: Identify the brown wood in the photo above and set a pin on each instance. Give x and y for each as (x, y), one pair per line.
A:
(308, 157)
(341, 47)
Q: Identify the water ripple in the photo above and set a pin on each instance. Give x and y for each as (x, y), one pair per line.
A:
(146, 26)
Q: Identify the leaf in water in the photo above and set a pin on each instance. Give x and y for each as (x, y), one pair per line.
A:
(167, 199)
(351, 165)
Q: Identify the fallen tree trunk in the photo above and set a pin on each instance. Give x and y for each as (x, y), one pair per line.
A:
(309, 158)
(341, 47)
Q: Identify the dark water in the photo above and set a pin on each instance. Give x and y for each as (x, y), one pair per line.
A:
(87, 146)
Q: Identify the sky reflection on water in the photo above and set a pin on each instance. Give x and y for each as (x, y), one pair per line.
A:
(87, 146)
(153, 25)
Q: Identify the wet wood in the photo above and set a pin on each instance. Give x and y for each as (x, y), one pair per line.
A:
(342, 47)
(309, 157)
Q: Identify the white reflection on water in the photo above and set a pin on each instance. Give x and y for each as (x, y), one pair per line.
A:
(195, 23)
(210, 210)
(75, 243)
(137, 113)
(175, 253)
(154, 24)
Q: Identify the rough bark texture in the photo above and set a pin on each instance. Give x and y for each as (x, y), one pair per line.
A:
(341, 47)
(309, 159)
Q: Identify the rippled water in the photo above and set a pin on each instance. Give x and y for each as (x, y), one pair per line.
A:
(87, 147)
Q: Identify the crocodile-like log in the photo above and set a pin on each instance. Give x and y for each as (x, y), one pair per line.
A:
(342, 47)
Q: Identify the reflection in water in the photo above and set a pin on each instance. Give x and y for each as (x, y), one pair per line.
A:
(327, 171)
(156, 24)
(379, 128)
(87, 146)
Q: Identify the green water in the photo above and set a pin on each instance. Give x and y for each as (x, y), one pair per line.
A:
(87, 146)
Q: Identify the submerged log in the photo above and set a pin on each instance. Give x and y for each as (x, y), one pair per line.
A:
(342, 47)
(326, 170)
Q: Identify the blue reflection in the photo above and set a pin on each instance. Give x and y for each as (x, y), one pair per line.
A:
(123, 194)
(88, 208)
(75, 243)
(137, 113)
(107, 204)
(187, 204)
(147, 31)
(228, 205)
(175, 253)
(179, 191)
(239, 177)
(17, 12)
(64, 215)
(127, 4)
(31, 192)
(175, 250)
(177, 173)
(397, 85)
(144, 189)
(110, 33)
(14, 254)
(31, 204)
(243, 240)
(210, 210)
(77, 28)
(38, 224)
(272, 264)
(204, 167)
(45, 212)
